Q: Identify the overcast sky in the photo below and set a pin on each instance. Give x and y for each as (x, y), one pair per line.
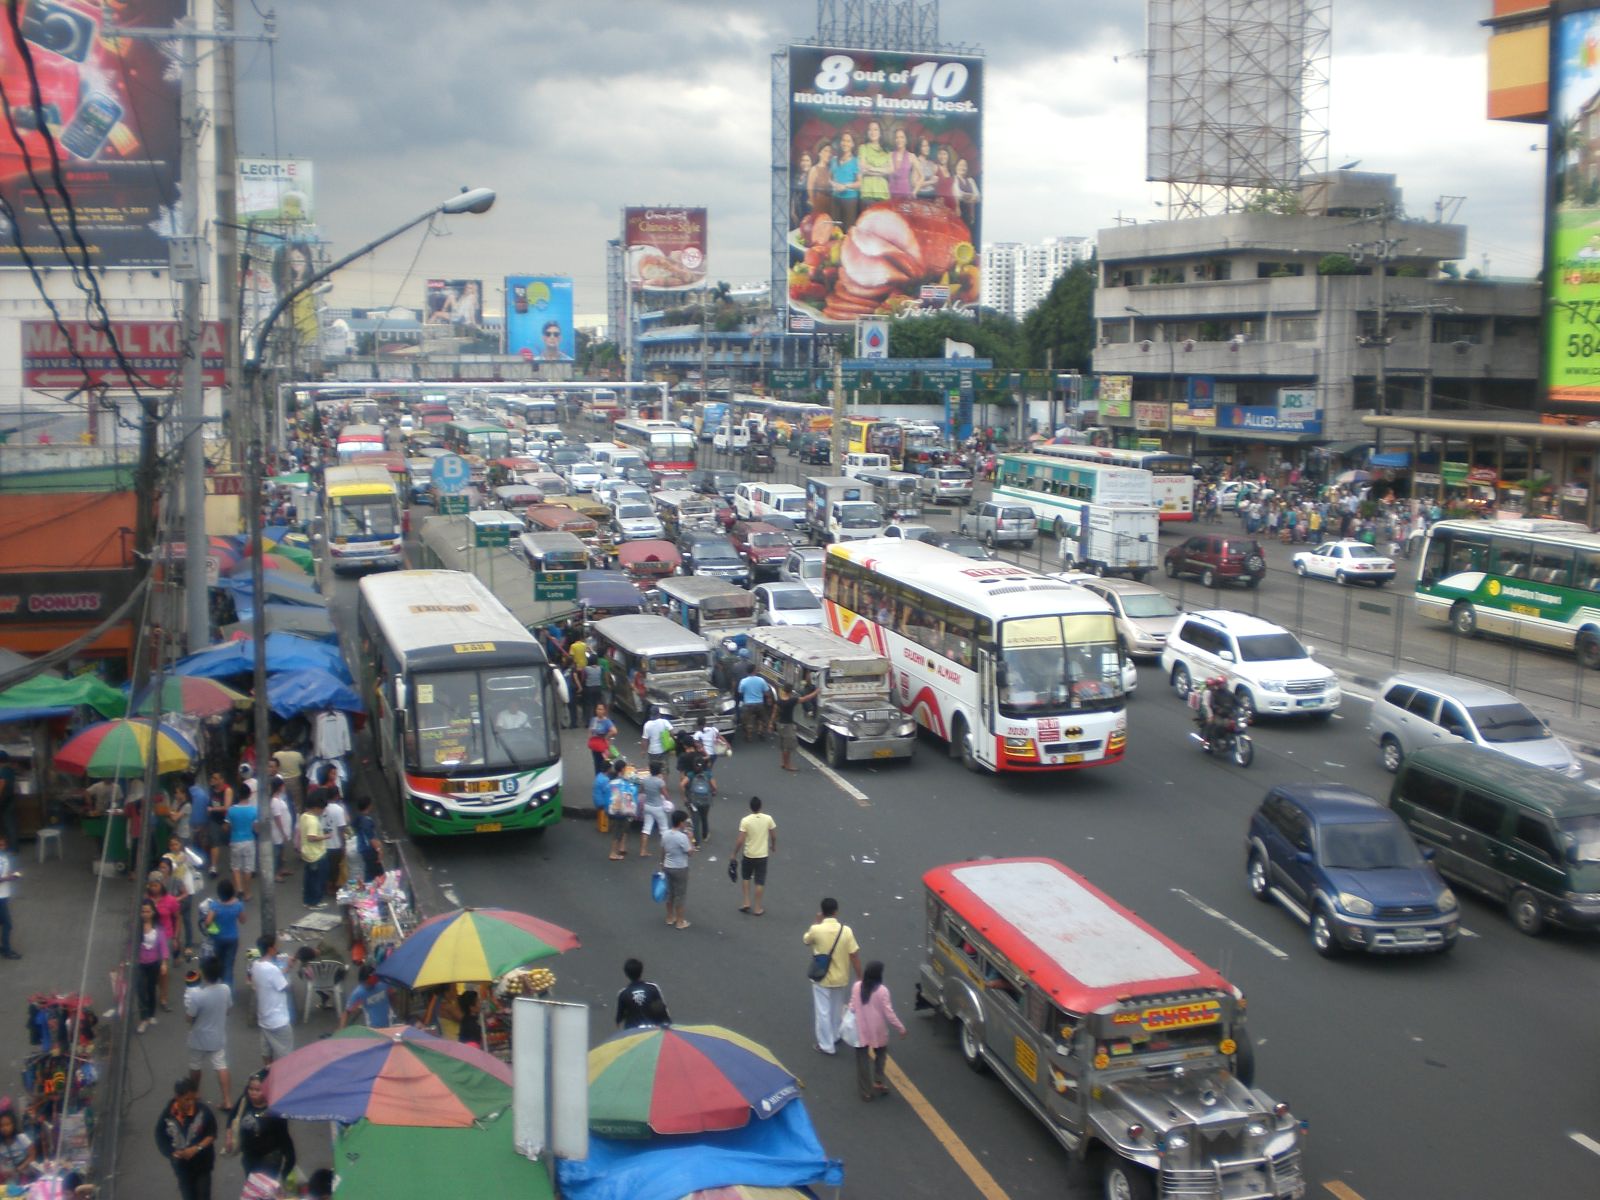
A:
(573, 110)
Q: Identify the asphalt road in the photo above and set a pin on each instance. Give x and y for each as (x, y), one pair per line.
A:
(1459, 1076)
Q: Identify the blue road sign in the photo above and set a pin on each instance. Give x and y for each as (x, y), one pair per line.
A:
(451, 475)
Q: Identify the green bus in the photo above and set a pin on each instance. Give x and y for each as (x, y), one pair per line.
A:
(477, 439)
(1531, 580)
(1104, 517)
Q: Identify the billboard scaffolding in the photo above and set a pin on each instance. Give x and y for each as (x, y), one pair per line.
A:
(1238, 98)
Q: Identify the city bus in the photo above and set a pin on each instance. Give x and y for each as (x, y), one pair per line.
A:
(709, 416)
(665, 445)
(874, 435)
(483, 440)
(363, 517)
(1531, 580)
(1174, 474)
(432, 413)
(1102, 515)
(465, 705)
(355, 440)
(1015, 670)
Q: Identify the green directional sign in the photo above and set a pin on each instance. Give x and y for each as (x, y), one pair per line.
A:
(491, 535)
(452, 506)
(794, 380)
(891, 378)
(555, 585)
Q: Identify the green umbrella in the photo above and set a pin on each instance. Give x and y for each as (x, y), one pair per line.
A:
(481, 1160)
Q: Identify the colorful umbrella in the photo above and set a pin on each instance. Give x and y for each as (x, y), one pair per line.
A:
(473, 945)
(120, 749)
(393, 1076)
(192, 694)
(273, 560)
(683, 1079)
(380, 1160)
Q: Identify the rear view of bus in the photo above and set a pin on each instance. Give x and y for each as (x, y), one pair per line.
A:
(363, 520)
(465, 705)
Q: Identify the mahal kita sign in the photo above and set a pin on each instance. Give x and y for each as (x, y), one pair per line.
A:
(77, 354)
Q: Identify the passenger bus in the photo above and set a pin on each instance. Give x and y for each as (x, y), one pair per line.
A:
(540, 410)
(465, 705)
(1531, 580)
(477, 439)
(1174, 474)
(1102, 515)
(432, 412)
(874, 435)
(355, 440)
(601, 405)
(1016, 671)
(363, 517)
(709, 416)
(666, 445)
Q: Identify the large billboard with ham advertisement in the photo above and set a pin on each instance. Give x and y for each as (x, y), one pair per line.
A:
(666, 247)
(885, 183)
(110, 106)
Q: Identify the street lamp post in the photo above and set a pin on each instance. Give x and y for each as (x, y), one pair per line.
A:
(474, 200)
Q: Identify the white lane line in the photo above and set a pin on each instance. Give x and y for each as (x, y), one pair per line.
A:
(1587, 1142)
(1247, 934)
(838, 780)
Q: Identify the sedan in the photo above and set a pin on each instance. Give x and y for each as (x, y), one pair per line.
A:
(787, 604)
(967, 547)
(910, 532)
(1347, 562)
(584, 476)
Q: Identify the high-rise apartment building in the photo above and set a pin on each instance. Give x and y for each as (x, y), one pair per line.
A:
(1018, 275)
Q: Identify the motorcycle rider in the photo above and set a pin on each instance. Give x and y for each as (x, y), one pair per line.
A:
(1217, 706)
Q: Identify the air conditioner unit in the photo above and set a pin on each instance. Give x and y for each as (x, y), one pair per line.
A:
(1144, 346)
(1188, 345)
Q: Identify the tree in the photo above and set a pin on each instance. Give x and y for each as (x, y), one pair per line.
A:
(1336, 264)
(995, 337)
(1060, 329)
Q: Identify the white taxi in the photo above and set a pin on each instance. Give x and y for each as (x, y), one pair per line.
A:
(1346, 562)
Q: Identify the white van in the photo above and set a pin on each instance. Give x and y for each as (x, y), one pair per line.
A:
(731, 437)
(854, 464)
(752, 501)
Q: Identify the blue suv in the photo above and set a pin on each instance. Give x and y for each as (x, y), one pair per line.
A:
(1347, 868)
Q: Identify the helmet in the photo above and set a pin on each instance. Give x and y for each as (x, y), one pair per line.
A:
(1216, 681)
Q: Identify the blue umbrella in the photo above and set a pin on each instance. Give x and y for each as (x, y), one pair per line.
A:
(309, 690)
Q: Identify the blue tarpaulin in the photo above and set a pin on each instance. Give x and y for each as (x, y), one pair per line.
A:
(309, 690)
(285, 652)
(9, 716)
(781, 1151)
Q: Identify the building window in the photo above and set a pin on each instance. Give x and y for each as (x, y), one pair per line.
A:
(1449, 330)
(1114, 332)
(1213, 270)
(1279, 270)
(1124, 276)
(1166, 275)
(1297, 329)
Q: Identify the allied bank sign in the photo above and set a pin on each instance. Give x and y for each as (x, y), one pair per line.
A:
(1266, 419)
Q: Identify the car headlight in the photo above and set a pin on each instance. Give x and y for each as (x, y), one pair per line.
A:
(1018, 743)
(1355, 905)
(1446, 901)
(1274, 685)
(729, 704)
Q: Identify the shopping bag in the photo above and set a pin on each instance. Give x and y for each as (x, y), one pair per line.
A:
(733, 870)
(658, 887)
(849, 1032)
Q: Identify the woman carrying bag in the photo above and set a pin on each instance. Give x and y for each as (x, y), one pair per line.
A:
(872, 1013)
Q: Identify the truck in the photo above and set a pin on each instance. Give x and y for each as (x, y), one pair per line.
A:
(1113, 539)
(841, 510)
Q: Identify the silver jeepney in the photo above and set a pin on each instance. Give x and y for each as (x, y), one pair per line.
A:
(656, 666)
(1130, 1050)
(854, 716)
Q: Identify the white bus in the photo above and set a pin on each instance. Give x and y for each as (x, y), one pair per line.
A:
(665, 445)
(465, 705)
(1174, 476)
(1017, 671)
(1102, 516)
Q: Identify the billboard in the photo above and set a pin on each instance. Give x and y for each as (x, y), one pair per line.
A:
(885, 194)
(1116, 396)
(453, 302)
(539, 317)
(273, 270)
(666, 247)
(110, 106)
(274, 189)
(1572, 254)
(82, 356)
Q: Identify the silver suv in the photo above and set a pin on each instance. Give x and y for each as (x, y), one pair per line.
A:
(1418, 709)
(998, 522)
(946, 485)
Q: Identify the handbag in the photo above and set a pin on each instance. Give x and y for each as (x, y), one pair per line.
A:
(599, 743)
(658, 887)
(849, 1031)
(821, 962)
(733, 870)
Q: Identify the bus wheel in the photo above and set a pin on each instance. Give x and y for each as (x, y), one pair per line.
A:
(1464, 619)
(961, 747)
(1589, 649)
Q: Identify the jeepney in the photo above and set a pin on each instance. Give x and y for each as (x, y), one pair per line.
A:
(711, 607)
(654, 665)
(1129, 1049)
(647, 563)
(854, 715)
(683, 511)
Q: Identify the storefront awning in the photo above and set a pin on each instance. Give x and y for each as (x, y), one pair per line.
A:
(1258, 435)
(1344, 449)
(1392, 458)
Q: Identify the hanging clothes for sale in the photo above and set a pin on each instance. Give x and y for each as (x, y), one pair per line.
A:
(330, 734)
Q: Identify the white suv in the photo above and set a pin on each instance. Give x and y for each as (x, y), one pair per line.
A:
(1265, 665)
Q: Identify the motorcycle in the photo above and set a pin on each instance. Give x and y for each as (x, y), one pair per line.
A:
(1229, 741)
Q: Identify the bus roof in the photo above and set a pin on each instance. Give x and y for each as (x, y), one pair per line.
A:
(1076, 943)
(1073, 464)
(996, 588)
(446, 619)
(1566, 532)
(361, 433)
(358, 479)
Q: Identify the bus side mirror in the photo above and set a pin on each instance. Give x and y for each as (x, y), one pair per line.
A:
(1002, 674)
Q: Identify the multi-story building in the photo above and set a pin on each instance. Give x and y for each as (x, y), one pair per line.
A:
(1320, 303)
(1018, 275)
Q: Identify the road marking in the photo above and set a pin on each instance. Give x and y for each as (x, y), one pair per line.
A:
(1248, 935)
(946, 1137)
(838, 780)
(1342, 1190)
(1584, 1140)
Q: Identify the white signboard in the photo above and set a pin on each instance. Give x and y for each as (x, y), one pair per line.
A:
(1297, 400)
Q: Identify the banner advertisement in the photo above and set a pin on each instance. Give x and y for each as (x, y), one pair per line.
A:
(270, 273)
(666, 247)
(32, 597)
(1202, 391)
(872, 339)
(1151, 414)
(1572, 253)
(885, 165)
(453, 302)
(1116, 396)
(154, 349)
(110, 106)
(539, 317)
(274, 190)
(1261, 419)
(1191, 417)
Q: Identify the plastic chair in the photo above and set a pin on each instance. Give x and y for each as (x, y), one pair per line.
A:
(50, 836)
(325, 978)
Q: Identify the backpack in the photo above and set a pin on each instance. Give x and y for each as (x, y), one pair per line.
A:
(700, 786)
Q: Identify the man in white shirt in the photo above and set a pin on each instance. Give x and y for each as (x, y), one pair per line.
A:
(335, 820)
(282, 826)
(8, 877)
(656, 731)
(272, 1001)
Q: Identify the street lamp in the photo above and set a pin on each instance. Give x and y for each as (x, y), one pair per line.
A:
(468, 200)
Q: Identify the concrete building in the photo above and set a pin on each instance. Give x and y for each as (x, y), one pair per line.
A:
(1236, 309)
(1018, 275)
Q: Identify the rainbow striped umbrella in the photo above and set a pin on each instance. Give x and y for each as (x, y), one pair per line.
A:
(473, 945)
(683, 1079)
(120, 749)
(191, 694)
(393, 1076)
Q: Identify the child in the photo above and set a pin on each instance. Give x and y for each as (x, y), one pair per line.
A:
(366, 831)
(624, 811)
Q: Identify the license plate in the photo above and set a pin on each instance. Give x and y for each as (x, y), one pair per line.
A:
(885, 753)
(477, 786)
(1308, 703)
(488, 827)
(1410, 935)
(1072, 758)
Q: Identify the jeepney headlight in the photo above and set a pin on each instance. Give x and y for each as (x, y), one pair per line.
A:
(1446, 901)
(906, 728)
(1255, 1129)
(1176, 1141)
(729, 704)
(1355, 905)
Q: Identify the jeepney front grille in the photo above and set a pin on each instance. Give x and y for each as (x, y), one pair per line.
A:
(1072, 747)
(1236, 1179)
(873, 722)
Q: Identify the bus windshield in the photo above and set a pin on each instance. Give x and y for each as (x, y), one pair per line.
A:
(490, 720)
(366, 516)
(1059, 664)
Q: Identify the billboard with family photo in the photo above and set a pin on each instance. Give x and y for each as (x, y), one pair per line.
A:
(885, 195)
(453, 302)
(539, 317)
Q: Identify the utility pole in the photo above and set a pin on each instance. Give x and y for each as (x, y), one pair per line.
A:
(1382, 251)
(836, 434)
(188, 267)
